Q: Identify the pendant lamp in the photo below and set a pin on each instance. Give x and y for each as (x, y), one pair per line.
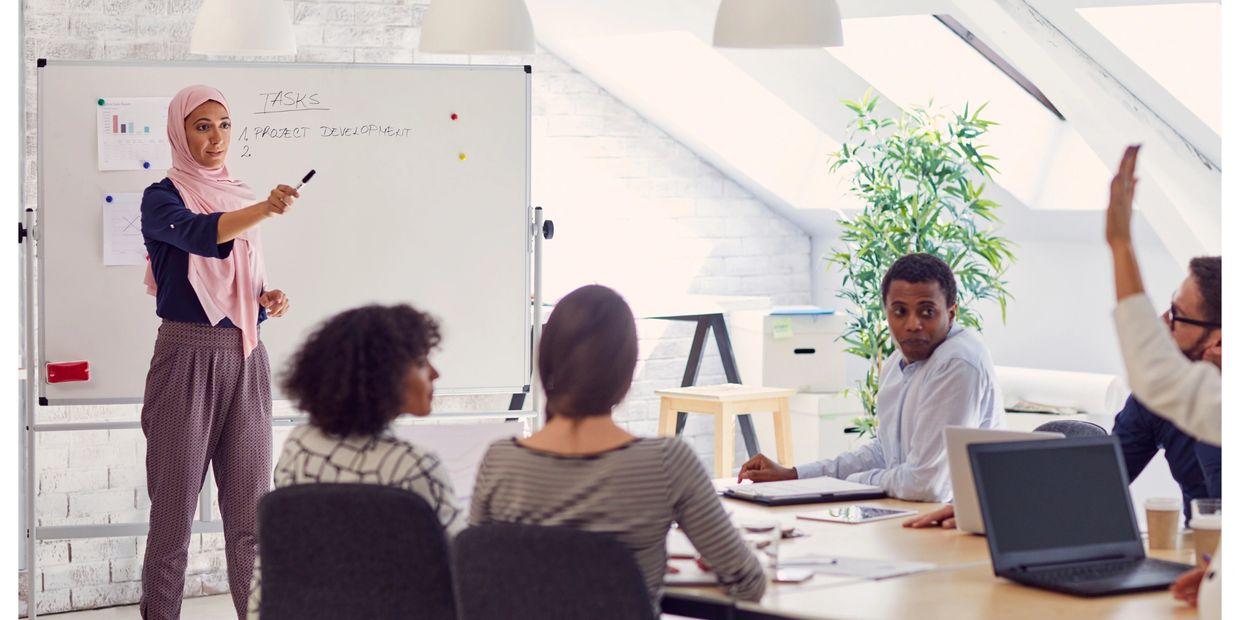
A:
(243, 28)
(778, 24)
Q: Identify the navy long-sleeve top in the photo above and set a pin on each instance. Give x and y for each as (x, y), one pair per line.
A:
(171, 233)
(1196, 466)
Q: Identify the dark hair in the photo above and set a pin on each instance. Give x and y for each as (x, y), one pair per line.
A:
(1208, 273)
(587, 353)
(922, 267)
(349, 374)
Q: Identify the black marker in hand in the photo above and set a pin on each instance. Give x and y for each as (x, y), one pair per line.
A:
(304, 180)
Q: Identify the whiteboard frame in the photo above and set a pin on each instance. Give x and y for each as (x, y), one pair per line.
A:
(533, 258)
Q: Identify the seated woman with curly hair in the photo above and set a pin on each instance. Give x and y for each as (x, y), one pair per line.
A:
(357, 373)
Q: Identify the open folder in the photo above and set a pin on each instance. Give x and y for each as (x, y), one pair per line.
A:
(806, 491)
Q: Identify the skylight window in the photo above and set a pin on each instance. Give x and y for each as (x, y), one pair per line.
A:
(913, 60)
(1178, 45)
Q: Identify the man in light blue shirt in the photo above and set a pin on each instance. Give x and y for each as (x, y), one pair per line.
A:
(940, 375)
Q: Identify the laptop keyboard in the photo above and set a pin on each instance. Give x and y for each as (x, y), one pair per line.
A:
(1098, 572)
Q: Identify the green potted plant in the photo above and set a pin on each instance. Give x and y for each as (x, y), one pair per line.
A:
(921, 177)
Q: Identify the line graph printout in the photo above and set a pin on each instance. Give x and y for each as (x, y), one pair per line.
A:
(133, 133)
(122, 230)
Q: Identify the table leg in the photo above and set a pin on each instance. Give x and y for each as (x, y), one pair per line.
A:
(725, 443)
(783, 433)
(724, 342)
(694, 365)
(668, 423)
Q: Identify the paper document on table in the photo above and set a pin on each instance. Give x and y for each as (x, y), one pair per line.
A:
(122, 230)
(856, 567)
(679, 545)
(688, 573)
(807, 487)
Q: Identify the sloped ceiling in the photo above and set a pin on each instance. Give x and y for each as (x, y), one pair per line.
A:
(770, 118)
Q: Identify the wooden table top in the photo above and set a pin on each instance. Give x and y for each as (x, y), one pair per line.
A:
(962, 587)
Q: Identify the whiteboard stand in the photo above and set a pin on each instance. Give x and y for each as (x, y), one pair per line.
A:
(542, 229)
(31, 397)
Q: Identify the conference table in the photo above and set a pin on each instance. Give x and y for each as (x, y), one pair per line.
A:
(962, 585)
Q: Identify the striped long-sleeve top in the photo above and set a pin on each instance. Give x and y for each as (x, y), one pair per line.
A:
(634, 493)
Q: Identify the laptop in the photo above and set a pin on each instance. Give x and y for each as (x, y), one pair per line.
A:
(803, 491)
(1058, 517)
(958, 438)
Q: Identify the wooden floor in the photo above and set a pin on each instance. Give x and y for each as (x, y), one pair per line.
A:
(218, 607)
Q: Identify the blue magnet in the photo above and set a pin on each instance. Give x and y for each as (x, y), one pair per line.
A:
(146, 164)
(109, 198)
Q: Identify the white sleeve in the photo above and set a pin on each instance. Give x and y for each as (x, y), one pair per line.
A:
(869, 456)
(1188, 394)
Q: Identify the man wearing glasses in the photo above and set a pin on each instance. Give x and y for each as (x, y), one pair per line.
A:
(1195, 322)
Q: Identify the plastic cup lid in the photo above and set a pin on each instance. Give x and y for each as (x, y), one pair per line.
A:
(1206, 522)
(1163, 503)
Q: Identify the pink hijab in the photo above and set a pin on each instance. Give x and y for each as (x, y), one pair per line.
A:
(227, 287)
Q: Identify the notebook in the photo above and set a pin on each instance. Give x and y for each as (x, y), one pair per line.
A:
(803, 491)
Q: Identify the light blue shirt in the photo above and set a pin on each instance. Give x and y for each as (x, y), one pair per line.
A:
(955, 386)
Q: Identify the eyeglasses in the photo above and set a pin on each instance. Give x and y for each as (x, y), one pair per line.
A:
(1174, 317)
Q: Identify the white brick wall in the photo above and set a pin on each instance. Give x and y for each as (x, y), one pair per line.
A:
(634, 209)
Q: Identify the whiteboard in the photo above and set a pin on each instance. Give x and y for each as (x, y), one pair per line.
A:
(408, 205)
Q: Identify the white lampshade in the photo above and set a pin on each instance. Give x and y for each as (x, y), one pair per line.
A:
(477, 27)
(243, 28)
(778, 23)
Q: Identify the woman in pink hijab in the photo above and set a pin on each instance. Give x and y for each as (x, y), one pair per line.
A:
(208, 391)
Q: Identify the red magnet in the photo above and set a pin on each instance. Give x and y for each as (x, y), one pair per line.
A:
(61, 372)
(454, 116)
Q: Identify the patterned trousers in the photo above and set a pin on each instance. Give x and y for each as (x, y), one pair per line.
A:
(205, 403)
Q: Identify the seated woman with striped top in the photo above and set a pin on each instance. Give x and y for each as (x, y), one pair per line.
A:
(354, 376)
(583, 471)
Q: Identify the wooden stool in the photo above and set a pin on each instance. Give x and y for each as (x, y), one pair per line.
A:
(726, 402)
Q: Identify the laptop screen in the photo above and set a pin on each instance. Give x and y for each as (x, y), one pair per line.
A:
(1038, 497)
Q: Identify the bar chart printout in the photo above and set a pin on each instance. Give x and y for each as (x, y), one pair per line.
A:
(132, 133)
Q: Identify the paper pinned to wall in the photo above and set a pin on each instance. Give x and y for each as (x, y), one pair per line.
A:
(133, 133)
(122, 230)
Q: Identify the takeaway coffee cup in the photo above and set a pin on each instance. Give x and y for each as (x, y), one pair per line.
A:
(1162, 518)
(1207, 524)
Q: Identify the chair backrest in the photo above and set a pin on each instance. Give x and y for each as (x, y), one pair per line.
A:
(1073, 428)
(529, 571)
(352, 551)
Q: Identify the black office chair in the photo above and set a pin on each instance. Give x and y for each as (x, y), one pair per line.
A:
(1073, 428)
(336, 551)
(527, 571)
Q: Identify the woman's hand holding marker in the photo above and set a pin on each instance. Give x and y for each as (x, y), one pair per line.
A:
(282, 196)
(281, 199)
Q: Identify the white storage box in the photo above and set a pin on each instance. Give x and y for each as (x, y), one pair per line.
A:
(792, 347)
(818, 423)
